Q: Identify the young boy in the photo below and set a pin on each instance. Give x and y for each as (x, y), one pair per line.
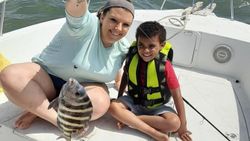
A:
(151, 82)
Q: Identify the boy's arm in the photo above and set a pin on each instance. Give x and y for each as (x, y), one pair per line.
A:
(118, 79)
(176, 94)
(179, 104)
(174, 87)
(76, 8)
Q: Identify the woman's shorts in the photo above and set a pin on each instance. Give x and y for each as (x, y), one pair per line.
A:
(141, 110)
(57, 82)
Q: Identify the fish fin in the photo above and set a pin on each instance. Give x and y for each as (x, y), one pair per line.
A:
(54, 103)
(80, 133)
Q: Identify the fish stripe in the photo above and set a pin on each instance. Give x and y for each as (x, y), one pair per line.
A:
(86, 113)
(72, 110)
(68, 127)
(64, 122)
(78, 106)
(76, 103)
(82, 121)
(67, 134)
(65, 128)
(83, 99)
(73, 117)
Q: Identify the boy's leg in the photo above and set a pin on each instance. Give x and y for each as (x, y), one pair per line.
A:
(119, 111)
(167, 122)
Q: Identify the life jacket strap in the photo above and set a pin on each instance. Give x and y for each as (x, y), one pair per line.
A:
(144, 90)
(149, 103)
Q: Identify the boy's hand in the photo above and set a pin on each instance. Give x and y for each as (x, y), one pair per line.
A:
(184, 134)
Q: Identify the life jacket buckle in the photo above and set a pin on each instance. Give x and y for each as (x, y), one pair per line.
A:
(145, 90)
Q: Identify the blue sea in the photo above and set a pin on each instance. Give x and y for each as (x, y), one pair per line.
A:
(22, 13)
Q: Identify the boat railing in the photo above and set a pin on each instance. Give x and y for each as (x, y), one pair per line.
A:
(232, 9)
(2, 3)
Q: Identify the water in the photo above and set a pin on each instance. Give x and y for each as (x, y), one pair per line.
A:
(21, 13)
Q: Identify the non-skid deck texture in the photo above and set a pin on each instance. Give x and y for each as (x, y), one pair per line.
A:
(211, 96)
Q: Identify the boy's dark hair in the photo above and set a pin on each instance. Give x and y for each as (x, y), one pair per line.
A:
(150, 29)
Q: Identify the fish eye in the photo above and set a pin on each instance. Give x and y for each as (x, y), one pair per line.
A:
(77, 94)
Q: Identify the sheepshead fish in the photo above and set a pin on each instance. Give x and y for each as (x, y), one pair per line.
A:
(74, 109)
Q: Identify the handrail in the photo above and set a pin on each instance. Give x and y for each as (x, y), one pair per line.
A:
(232, 9)
(3, 3)
(193, 2)
(163, 3)
(211, 3)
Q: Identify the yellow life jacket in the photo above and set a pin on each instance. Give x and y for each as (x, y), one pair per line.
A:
(156, 92)
(3, 63)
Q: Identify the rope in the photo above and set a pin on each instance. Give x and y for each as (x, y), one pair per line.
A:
(181, 24)
(205, 118)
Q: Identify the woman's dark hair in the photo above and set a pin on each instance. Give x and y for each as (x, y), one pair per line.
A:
(106, 8)
(104, 12)
(150, 29)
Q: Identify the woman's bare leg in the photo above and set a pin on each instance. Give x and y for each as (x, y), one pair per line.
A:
(29, 86)
(120, 112)
(25, 120)
(98, 94)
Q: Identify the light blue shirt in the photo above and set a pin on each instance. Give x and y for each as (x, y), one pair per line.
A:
(77, 51)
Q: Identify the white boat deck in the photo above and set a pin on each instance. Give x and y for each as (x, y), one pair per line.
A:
(215, 97)
(201, 90)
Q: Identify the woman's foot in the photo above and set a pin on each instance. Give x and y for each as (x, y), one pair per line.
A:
(120, 125)
(25, 120)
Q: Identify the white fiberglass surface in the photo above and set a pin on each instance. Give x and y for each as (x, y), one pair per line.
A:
(211, 96)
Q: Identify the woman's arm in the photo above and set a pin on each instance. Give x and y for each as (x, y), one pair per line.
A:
(76, 8)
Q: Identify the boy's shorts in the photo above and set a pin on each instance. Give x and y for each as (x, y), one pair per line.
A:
(141, 110)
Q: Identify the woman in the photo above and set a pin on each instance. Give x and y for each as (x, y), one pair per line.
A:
(88, 48)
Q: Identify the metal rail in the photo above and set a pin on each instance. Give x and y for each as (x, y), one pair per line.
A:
(232, 9)
(3, 3)
(163, 3)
